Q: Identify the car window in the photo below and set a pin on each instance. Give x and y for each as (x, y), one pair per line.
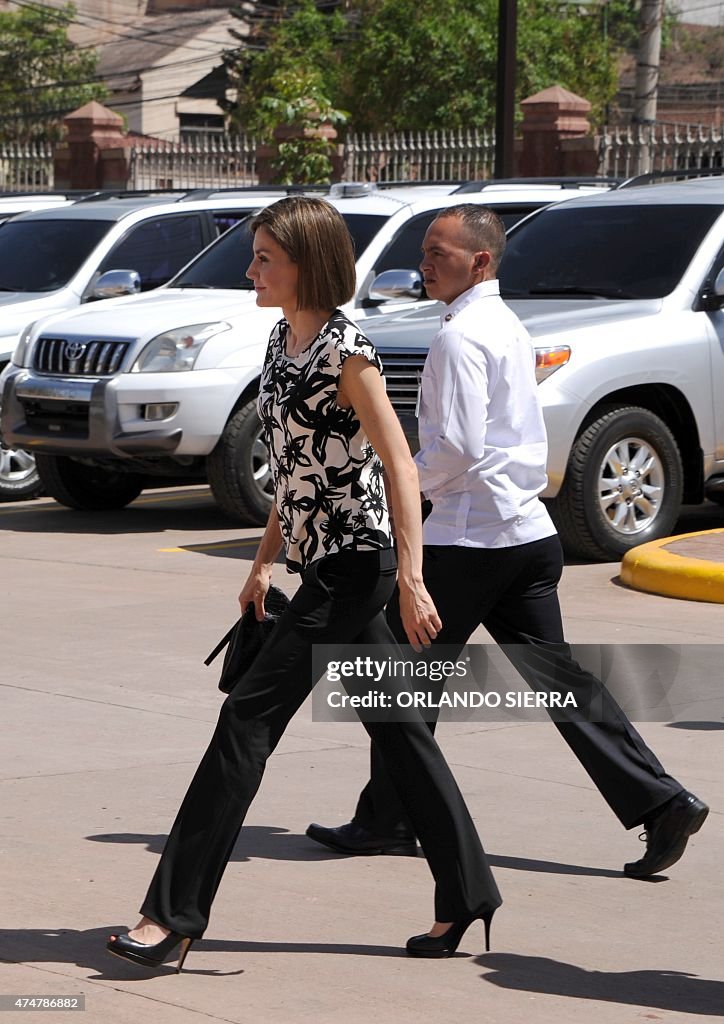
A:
(157, 248)
(404, 251)
(613, 251)
(225, 219)
(224, 264)
(43, 255)
(363, 227)
(511, 213)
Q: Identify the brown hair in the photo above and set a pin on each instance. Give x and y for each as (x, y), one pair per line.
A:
(314, 235)
(484, 228)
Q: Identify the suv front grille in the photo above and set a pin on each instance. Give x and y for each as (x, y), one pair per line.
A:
(402, 374)
(79, 358)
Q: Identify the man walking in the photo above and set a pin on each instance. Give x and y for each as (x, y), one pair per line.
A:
(482, 464)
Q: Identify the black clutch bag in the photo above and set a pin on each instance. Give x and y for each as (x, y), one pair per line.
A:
(247, 637)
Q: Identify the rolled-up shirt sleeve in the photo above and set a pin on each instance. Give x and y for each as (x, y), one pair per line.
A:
(455, 398)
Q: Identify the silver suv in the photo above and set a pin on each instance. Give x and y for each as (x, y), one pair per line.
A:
(623, 294)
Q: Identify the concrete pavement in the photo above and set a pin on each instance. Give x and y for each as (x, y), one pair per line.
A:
(107, 708)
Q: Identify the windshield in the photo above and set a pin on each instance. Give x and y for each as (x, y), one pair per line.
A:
(620, 252)
(224, 264)
(43, 255)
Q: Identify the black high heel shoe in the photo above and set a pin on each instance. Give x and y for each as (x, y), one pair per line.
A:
(447, 943)
(150, 954)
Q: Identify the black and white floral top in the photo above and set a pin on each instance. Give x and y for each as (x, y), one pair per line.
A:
(327, 477)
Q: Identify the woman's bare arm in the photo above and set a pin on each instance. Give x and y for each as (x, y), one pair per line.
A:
(362, 388)
(257, 583)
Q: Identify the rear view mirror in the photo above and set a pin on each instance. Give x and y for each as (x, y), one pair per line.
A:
(396, 285)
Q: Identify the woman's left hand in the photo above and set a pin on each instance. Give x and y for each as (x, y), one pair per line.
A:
(419, 615)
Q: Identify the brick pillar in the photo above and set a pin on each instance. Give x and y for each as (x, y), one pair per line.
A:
(557, 136)
(79, 161)
(265, 154)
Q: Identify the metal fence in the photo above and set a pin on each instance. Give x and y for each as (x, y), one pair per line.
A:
(455, 155)
(26, 167)
(659, 147)
(211, 162)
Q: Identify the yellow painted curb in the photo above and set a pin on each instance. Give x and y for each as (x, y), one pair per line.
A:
(650, 568)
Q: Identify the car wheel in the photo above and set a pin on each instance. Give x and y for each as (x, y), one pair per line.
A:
(239, 471)
(623, 485)
(18, 475)
(82, 486)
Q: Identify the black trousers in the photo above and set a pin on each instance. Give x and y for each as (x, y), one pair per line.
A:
(341, 600)
(513, 593)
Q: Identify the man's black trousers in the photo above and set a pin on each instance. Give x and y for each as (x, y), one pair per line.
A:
(513, 593)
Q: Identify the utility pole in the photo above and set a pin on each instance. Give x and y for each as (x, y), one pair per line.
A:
(647, 64)
(505, 89)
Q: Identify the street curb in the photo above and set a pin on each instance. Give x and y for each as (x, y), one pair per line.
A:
(655, 568)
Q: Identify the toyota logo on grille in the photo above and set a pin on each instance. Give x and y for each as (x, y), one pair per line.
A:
(74, 350)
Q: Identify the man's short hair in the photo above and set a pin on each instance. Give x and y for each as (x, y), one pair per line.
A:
(484, 228)
(314, 235)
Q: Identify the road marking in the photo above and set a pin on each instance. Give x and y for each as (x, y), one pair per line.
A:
(214, 546)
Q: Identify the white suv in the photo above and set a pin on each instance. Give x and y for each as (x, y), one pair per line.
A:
(64, 255)
(116, 397)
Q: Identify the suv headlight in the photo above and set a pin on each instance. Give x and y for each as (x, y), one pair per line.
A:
(20, 351)
(548, 360)
(176, 350)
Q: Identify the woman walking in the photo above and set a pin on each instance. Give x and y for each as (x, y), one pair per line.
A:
(330, 429)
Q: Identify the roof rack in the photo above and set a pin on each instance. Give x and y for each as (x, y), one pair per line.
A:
(683, 174)
(103, 195)
(70, 193)
(282, 190)
(189, 194)
(572, 182)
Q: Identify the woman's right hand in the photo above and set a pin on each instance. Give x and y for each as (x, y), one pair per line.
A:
(255, 590)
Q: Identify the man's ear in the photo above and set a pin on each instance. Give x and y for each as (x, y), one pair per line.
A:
(482, 260)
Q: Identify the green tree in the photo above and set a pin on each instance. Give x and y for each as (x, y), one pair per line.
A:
(432, 63)
(43, 76)
(419, 64)
(285, 73)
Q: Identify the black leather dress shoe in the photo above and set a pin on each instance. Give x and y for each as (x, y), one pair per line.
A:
(668, 833)
(356, 841)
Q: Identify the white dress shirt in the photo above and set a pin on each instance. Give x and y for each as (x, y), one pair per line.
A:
(483, 444)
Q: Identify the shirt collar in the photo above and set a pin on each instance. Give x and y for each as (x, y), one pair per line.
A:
(478, 291)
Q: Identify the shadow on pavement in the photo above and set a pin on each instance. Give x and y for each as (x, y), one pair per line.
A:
(703, 726)
(87, 950)
(663, 989)
(272, 843)
(192, 511)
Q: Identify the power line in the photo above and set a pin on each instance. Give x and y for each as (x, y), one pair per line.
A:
(146, 35)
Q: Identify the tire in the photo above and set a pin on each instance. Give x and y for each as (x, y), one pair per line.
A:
(19, 478)
(81, 486)
(601, 512)
(238, 468)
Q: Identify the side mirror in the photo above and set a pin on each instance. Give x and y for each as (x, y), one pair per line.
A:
(115, 283)
(398, 285)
